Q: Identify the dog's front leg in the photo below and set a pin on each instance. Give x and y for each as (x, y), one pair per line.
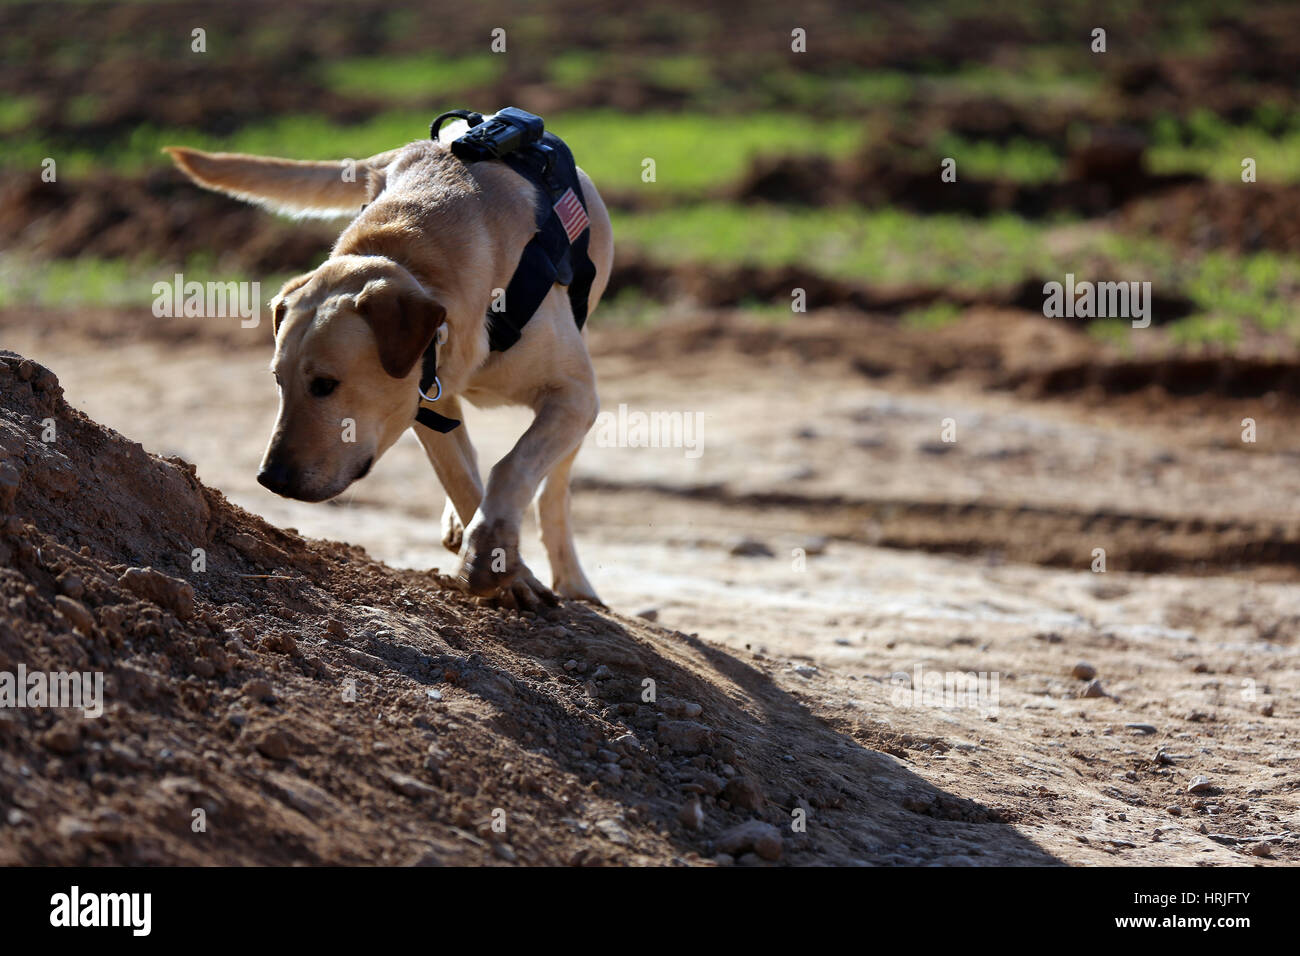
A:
(490, 561)
(456, 465)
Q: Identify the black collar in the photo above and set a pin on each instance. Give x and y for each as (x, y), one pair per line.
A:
(429, 380)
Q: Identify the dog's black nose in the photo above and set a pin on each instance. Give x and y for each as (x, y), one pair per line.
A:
(276, 477)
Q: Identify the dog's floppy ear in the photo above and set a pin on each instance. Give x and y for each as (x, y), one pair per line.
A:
(277, 303)
(404, 323)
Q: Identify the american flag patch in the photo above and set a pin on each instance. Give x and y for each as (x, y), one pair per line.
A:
(572, 216)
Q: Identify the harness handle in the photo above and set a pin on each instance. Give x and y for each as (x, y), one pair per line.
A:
(469, 116)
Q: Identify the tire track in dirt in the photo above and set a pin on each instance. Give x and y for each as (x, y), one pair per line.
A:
(1048, 535)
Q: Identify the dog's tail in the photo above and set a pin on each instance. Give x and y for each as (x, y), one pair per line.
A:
(322, 189)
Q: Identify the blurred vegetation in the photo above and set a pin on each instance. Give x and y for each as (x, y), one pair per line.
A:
(1007, 89)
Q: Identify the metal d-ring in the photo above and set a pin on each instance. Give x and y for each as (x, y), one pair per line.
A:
(435, 397)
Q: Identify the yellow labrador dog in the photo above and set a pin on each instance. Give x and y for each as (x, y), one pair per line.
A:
(433, 238)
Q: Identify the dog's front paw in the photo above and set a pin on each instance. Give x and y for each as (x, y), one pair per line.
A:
(526, 593)
(490, 561)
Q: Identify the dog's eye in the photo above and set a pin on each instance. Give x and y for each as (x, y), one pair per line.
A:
(320, 387)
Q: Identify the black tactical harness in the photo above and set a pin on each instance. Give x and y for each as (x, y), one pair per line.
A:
(557, 253)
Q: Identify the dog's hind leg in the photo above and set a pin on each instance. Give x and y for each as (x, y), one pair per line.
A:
(567, 578)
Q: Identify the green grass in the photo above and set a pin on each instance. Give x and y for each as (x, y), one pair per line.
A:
(630, 308)
(412, 77)
(83, 108)
(855, 244)
(1116, 332)
(686, 71)
(109, 283)
(847, 90)
(1040, 83)
(1205, 144)
(1020, 160)
(692, 152)
(890, 247)
(935, 316)
(1200, 330)
(576, 68)
(16, 112)
(70, 282)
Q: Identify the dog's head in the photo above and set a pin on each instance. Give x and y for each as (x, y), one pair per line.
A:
(349, 338)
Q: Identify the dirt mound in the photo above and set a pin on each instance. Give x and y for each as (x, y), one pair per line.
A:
(270, 699)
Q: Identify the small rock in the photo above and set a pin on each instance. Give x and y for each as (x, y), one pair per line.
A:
(259, 551)
(1144, 729)
(1261, 849)
(162, 589)
(763, 838)
(648, 614)
(1083, 671)
(9, 483)
(691, 814)
(675, 707)
(274, 743)
(806, 670)
(62, 738)
(684, 736)
(611, 830)
(1094, 689)
(408, 786)
(751, 548)
(258, 689)
(75, 613)
(74, 828)
(1199, 784)
(628, 743)
(1266, 709)
(602, 673)
(1174, 810)
(745, 793)
(72, 585)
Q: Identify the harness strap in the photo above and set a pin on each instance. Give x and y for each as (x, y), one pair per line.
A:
(557, 253)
